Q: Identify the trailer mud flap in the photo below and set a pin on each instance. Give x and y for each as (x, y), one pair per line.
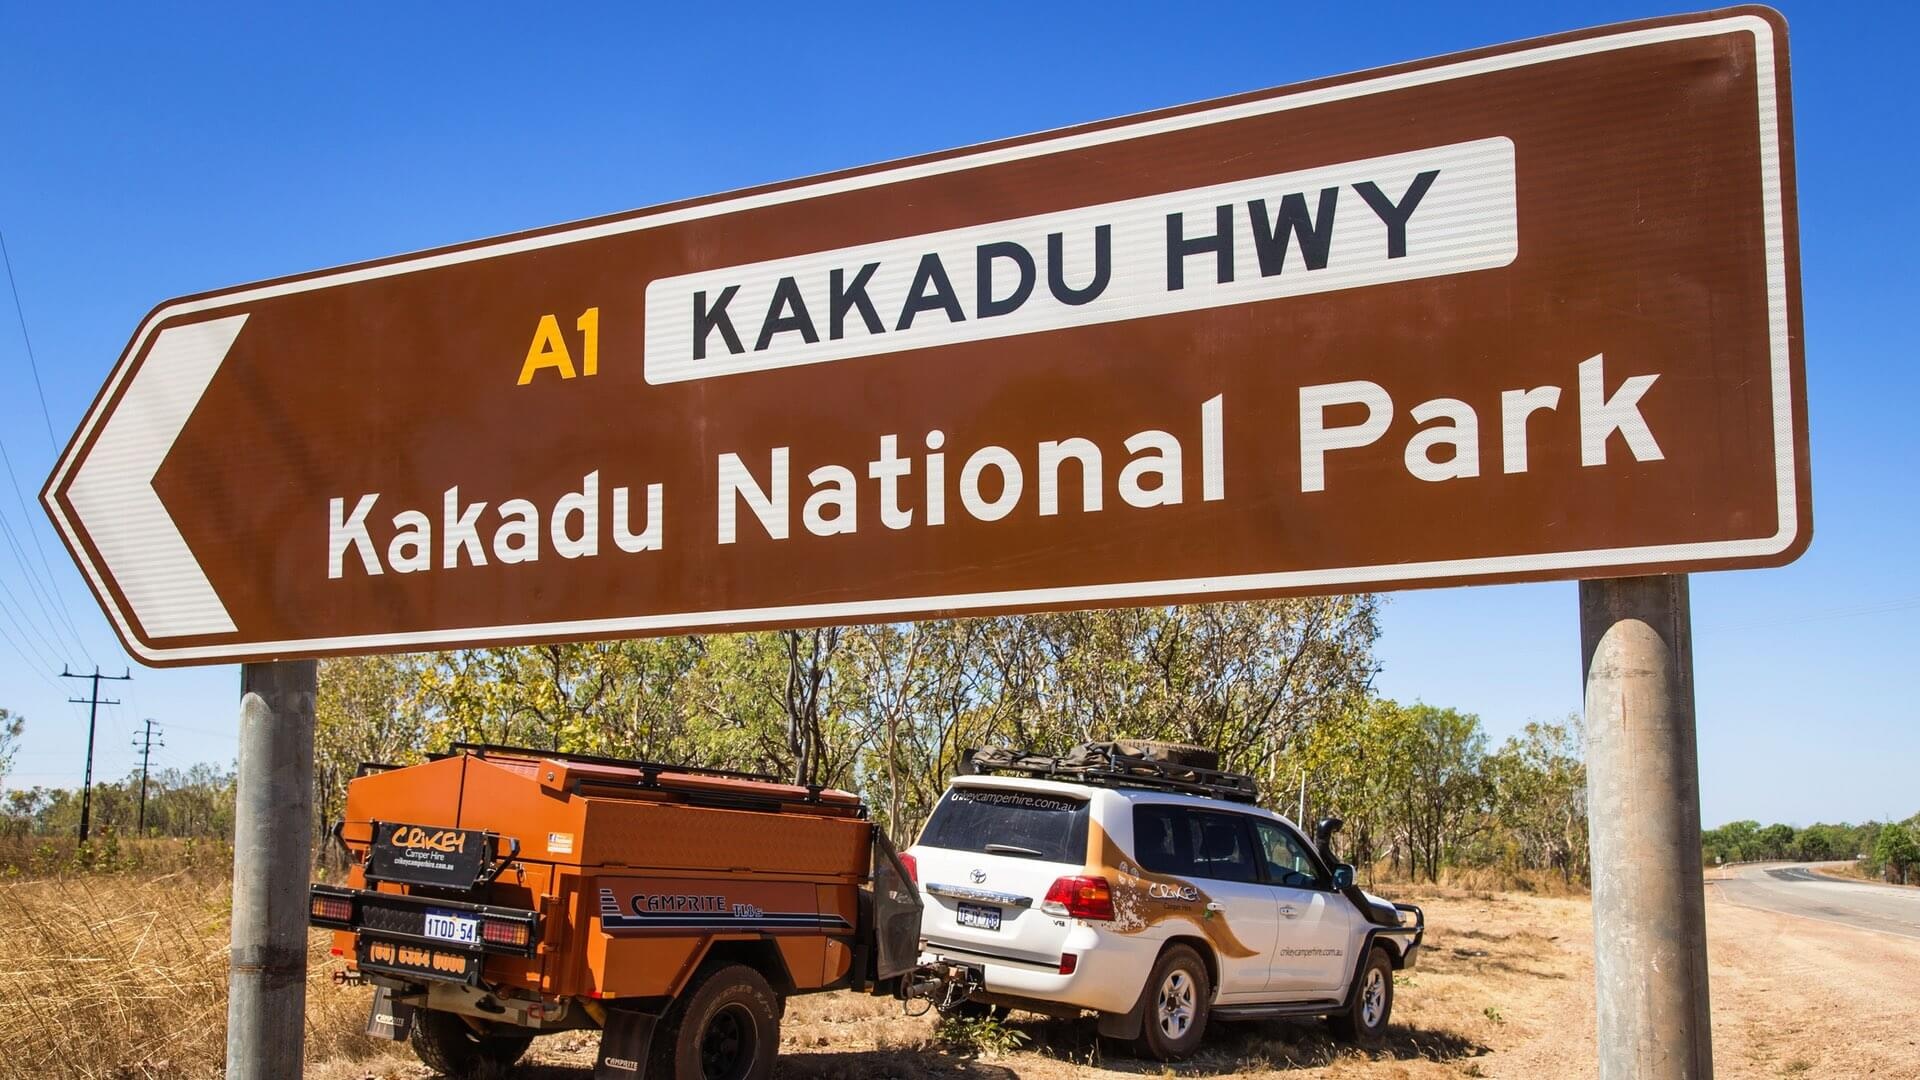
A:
(389, 1019)
(624, 1044)
(896, 912)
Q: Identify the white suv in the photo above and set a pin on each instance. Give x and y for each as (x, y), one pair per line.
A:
(1156, 909)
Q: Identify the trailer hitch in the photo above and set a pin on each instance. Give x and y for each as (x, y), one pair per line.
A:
(943, 985)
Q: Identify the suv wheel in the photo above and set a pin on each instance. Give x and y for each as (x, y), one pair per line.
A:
(1365, 1019)
(447, 1044)
(725, 1027)
(1174, 1016)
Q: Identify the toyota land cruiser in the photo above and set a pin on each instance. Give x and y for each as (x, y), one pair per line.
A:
(1131, 882)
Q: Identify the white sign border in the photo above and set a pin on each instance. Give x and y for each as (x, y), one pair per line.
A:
(1225, 587)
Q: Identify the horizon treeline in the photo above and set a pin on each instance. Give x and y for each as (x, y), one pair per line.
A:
(1282, 688)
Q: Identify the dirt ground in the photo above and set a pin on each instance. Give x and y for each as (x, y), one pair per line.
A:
(1504, 989)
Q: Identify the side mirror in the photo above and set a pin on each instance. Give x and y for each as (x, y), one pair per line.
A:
(1343, 877)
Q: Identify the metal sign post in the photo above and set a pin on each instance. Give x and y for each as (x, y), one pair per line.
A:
(272, 857)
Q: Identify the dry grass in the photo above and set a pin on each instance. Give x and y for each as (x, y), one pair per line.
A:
(1851, 870)
(124, 976)
(1475, 879)
(33, 857)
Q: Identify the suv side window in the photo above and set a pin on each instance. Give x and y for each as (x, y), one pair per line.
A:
(1288, 862)
(1188, 843)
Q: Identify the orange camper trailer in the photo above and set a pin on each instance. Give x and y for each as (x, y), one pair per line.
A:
(497, 893)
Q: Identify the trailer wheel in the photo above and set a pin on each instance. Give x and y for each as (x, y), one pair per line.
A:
(724, 1027)
(448, 1044)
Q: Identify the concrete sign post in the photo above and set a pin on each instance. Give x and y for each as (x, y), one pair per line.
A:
(1643, 790)
(272, 854)
(1525, 313)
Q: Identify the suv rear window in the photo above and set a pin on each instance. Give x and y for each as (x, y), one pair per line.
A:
(1002, 822)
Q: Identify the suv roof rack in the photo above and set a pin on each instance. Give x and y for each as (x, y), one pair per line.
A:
(1110, 765)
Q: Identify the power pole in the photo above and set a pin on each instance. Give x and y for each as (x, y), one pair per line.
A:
(145, 744)
(93, 718)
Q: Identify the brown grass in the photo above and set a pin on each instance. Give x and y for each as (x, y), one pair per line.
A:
(1851, 870)
(123, 976)
(1476, 879)
(32, 857)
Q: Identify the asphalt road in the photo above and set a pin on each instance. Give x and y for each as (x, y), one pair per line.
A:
(1794, 889)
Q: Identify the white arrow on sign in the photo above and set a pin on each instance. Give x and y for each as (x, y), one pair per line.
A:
(112, 493)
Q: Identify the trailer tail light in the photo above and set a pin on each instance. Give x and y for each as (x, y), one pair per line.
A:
(332, 909)
(1080, 898)
(512, 933)
(912, 867)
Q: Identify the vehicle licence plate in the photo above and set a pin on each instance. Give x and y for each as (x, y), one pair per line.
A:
(978, 916)
(449, 927)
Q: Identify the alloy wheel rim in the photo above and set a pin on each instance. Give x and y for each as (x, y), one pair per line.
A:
(1176, 1004)
(1373, 997)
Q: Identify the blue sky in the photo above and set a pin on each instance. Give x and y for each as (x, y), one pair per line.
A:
(156, 152)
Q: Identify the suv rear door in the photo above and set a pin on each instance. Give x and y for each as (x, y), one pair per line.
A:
(1215, 851)
(986, 859)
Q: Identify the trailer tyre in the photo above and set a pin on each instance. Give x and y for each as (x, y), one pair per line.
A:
(725, 1027)
(447, 1044)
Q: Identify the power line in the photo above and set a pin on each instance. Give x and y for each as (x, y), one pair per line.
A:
(26, 522)
(45, 676)
(33, 364)
(53, 444)
(227, 735)
(29, 633)
(26, 571)
(1884, 607)
(20, 560)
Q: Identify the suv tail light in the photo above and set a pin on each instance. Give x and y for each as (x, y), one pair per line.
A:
(1080, 898)
(912, 866)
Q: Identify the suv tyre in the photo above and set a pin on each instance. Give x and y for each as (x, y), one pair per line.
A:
(724, 1027)
(1173, 1014)
(446, 1043)
(1364, 1021)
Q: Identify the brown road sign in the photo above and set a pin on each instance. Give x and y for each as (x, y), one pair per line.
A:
(1528, 312)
